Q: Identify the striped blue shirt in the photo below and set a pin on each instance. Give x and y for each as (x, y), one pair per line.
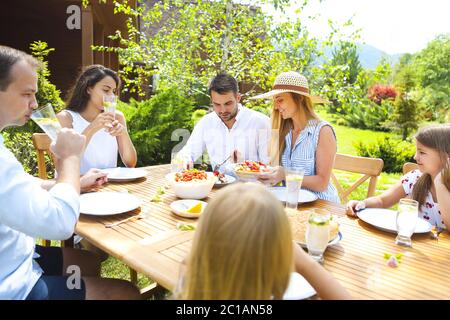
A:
(303, 155)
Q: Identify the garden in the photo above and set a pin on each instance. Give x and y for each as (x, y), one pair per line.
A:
(375, 112)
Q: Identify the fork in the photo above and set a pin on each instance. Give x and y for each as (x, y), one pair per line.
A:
(141, 215)
(217, 166)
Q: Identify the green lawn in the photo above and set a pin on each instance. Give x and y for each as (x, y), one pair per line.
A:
(346, 136)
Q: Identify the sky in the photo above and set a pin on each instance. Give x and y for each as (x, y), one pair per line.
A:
(394, 26)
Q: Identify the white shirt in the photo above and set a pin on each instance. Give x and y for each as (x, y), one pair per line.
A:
(26, 212)
(249, 135)
(101, 151)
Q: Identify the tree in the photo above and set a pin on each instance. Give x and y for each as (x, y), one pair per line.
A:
(188, 42)
(432, 67)
(433, 63)
(406, 112)
(347, 55)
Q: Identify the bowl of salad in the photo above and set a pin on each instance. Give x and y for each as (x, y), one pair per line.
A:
(251, 169)
(192, 183)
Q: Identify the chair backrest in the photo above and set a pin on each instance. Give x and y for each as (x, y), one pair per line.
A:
(369, 167)
(42, 143)
(409, 166)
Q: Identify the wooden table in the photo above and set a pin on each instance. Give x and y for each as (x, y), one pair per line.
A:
(154, 247)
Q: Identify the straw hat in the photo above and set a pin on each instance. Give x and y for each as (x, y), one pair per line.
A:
(291, 82)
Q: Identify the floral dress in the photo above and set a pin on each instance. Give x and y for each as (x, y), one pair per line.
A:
(430, 210)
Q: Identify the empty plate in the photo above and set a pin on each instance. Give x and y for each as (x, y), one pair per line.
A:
(108, 203)
(384, 219)
(120, 174)
(303, 195)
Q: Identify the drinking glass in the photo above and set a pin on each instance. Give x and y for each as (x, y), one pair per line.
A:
(406, 220)
(318, 233)
(46, 119)
(294, 179)
(180, 161)
(110, 103)
(176, 162)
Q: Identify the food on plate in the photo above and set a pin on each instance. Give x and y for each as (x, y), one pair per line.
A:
(190, 175)
(221, 177)
(299, 221)
(249, 166)
(196, 208)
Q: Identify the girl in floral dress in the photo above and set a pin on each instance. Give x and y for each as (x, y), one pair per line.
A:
(429, 185)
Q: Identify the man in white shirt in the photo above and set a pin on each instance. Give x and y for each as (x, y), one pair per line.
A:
(32, 208)
(230, 132)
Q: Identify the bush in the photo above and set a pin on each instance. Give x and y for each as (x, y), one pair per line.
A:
(198, 115)
(18, 139)
(394, 152)
(47, 92)
(365, 114)
(21, 145)
(378, 93)
(152, 122)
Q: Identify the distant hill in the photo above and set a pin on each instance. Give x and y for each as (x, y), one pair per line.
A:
(369, 56)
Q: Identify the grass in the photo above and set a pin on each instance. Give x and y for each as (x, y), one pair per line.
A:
(346, 137)
(113, 268)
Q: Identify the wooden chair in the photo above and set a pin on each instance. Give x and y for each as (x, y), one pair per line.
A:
(369, 167)
(409, 166)
(41, 143)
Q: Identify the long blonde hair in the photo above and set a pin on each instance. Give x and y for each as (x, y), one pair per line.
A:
(436, 137)
(281, 127)
(242, 248)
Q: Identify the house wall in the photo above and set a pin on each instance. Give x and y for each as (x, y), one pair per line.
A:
(25, 21)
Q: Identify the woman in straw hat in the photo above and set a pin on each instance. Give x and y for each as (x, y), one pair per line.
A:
(301, 139)
(246, 251)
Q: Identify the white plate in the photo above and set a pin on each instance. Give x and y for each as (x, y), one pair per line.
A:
(108, 203)
(298, 288)
(330, 243)
(229, 179)
(384, 219)
(303, 195)
(120, 174)
(180, 208)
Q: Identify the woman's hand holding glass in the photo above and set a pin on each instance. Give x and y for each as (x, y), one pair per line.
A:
(103, 121)
(273, 178)
(117, 129)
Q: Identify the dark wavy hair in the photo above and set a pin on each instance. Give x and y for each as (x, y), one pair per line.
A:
(78, 96)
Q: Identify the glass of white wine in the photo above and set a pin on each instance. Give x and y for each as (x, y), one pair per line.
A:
(46, 119)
